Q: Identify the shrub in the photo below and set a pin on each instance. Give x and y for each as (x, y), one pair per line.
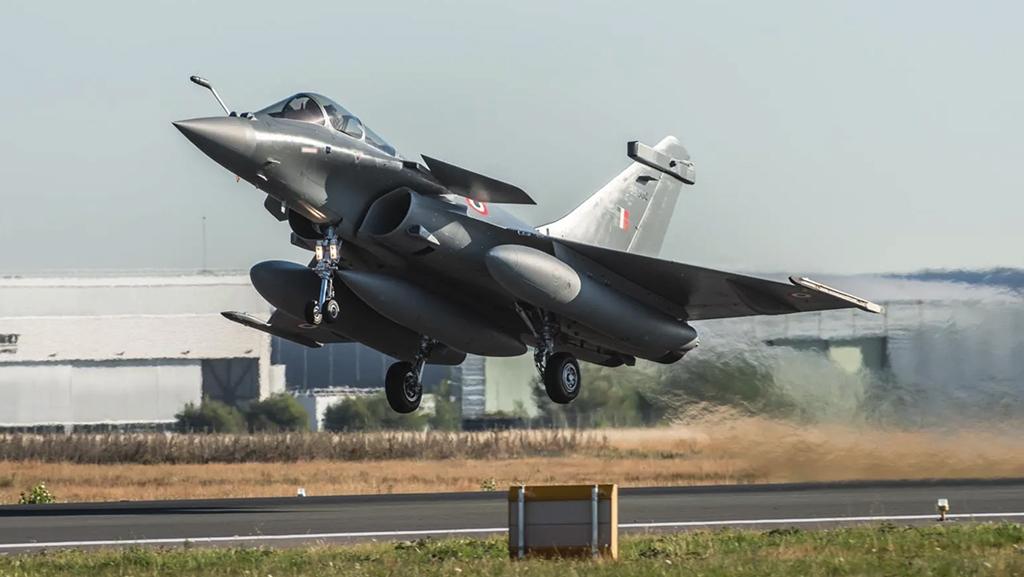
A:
(350, 415)
(209, 417)
(37, 495)
(370, 413)
(447, 408)
(280, 412)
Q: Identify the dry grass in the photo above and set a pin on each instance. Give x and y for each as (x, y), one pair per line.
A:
(763, 450)
(155, 448)
(77, 482)
(718, 449)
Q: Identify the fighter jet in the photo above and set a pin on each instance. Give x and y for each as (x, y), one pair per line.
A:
(421, 262)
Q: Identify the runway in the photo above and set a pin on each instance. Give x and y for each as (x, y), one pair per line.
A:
(295, 520)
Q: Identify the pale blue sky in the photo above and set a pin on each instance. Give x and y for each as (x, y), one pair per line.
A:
(829, 136)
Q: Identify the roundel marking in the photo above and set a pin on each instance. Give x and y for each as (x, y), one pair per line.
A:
(478, 206)
(800, 295)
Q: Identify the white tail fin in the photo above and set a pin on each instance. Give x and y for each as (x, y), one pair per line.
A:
(631, 213)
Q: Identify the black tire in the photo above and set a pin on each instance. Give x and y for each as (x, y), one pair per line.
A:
(562, 378)
(332, 310)
(314, 315)
(403, 391)
(304, 227)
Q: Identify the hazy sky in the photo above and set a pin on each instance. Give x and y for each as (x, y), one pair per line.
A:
(828, 136)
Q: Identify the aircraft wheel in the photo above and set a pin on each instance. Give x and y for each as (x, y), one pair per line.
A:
(402, 388)
(332, 310)
(314, 315)
(562, 378)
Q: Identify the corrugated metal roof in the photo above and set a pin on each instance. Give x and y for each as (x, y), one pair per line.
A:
(61, 319)
(105, 296)
(117, 338)
(124, 280)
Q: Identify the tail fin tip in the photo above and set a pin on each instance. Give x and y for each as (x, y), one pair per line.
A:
(631, 213)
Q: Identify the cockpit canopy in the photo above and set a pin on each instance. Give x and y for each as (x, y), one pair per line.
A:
(317, 109)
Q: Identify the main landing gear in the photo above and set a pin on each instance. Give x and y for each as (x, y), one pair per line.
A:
(325, 308)
(562, 378)
(403, 382)
(559, 371)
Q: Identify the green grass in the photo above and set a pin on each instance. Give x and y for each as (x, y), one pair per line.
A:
(952, 549)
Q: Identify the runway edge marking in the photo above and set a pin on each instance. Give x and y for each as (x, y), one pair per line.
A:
(488, 530)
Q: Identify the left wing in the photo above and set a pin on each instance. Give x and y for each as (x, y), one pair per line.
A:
(698, 293)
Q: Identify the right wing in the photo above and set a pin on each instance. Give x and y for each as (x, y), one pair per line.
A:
(476, 186)
(288, 328)
(698, 293)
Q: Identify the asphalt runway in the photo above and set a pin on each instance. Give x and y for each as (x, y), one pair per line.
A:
(290, 521)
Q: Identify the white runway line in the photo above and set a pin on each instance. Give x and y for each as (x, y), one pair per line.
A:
(805, 520)
(489, 530)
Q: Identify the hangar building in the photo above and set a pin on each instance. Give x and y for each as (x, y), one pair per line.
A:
(105, 351)
(128, 351)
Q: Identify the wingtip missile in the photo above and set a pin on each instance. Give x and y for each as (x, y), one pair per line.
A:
(860, 303)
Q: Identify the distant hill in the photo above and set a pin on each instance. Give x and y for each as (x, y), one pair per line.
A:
(1011, 278)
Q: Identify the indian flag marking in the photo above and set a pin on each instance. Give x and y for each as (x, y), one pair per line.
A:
(623, 218)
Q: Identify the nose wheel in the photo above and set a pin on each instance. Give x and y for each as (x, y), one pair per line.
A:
(403, 383)
(325, 309)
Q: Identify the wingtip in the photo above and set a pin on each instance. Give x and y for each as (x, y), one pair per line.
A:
(858, 302)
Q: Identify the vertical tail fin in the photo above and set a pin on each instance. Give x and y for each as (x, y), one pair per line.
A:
(631, 213)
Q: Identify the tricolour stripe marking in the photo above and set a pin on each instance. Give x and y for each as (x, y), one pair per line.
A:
(491, 530)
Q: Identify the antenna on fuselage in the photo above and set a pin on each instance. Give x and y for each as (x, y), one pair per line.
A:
(206, 84)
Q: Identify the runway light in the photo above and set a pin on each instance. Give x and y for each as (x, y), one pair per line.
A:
(942, 506)
(301, 492)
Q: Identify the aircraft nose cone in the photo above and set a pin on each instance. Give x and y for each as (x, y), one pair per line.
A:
(227, 140)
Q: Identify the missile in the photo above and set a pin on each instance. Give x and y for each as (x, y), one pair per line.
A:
(428, 313)
(287, 286)
(546, 282)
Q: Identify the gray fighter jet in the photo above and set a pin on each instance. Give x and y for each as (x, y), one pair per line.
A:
(420, 262)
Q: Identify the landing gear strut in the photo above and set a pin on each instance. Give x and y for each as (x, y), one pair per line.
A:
(559, 371)
(403, 382)
(325, 308)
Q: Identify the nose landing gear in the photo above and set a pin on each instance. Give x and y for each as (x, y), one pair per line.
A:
(325, 308)
(403, 382)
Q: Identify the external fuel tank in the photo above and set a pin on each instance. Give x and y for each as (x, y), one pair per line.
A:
(288, 287)
(549, 283)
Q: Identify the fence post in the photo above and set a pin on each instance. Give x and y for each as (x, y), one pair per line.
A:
(522, 521)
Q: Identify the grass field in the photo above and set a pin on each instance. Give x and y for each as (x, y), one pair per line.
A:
(947, 550)
(737, 450)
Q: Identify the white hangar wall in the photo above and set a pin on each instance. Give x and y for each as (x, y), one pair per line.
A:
(126, 350)
(97, 392)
